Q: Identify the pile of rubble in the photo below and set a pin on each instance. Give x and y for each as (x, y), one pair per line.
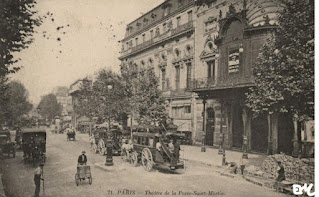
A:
(296, 170)
(300, 170)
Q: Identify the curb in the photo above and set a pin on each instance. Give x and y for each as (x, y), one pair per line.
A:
(253, 182)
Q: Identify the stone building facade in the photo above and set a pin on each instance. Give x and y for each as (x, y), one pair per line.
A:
(203, 52)
(163, 38)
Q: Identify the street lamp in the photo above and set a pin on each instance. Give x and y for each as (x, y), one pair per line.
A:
(241, 49)
(109, 140)
(38, 116)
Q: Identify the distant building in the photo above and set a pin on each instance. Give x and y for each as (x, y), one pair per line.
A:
(62, 96)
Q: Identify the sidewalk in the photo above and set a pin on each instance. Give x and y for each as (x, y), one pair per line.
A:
(212, 158)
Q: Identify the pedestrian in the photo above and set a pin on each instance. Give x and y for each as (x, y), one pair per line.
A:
(38, 176)
(82, 159)
(232, 166)
(171, 146)
(281, 174)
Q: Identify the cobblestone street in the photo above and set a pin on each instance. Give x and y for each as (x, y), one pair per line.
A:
(60, 168)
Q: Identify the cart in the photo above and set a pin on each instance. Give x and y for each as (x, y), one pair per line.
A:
(70, 136)
(145, 151)
(6, 146)
(83, 172)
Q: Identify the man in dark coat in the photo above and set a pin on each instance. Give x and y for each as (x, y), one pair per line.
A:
(82, 159)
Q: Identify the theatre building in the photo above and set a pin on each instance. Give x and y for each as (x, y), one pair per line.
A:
(228, 37)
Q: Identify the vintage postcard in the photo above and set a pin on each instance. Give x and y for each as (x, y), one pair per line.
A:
(157, 98)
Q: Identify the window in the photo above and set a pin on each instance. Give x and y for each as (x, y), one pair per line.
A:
(211, 69)
(178, 19)
(130, 43)
(187, 109)
(177, 78)
(136, 41)
(163, 78)
(143, 37)
(188, 75)
(126, 45)
(190, 16)
(164, 27)
(152, 34)
(233, 61)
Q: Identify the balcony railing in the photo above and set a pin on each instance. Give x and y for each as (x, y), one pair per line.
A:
(160, 38)
(203, 83)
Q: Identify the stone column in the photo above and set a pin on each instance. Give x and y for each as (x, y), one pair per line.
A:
(275, 133)
(269, 148)
(203, 149)
(245, 138)
(295, 152)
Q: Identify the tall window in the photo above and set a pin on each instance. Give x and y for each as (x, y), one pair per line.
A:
(152, 34)
(189, 75)
(177, 77)
(211, 70)
(163, 78)
(143, 37)
(126, 45)
(164, 27)
(190, 16)
(178, 19)
(136, 41)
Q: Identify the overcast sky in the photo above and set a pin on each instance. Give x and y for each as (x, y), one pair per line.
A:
(87, 42)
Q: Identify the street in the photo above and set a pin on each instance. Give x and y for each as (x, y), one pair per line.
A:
(122, 180)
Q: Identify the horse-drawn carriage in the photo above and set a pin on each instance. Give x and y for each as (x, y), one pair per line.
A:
(6, 146)
(70, 134)
(99, 140)
(154, 149)
(34, 145)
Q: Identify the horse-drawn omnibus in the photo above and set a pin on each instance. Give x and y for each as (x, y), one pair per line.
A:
(33, 145)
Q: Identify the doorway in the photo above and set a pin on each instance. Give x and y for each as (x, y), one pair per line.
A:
(259, 134)
(210, 127)
(237, 126)
(285, 133)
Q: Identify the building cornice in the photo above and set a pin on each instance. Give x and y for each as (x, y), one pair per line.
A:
(181, 9)
(177, 32)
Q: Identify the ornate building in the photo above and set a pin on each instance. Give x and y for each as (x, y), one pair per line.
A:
(228, 37)
(163, 38)
(203, 52)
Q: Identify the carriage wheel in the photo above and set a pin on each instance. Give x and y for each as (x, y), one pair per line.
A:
(94, 147)
(147, 159)
(134, 159)
(77, 179)
(90, 179)
(101, 146)
(123, 155)
(101, 150)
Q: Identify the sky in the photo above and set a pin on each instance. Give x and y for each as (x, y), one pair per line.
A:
(76, 39)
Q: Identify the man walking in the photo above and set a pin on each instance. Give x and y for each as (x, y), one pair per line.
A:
(38, 176)
(82, 159)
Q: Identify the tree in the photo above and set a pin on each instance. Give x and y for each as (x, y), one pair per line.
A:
(145, 99)
(109, 96)
(17, 23)
(15, 102)
(284, 70)
(49, 106)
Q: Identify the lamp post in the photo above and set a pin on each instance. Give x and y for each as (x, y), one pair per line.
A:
(109, 140)
(38, 116)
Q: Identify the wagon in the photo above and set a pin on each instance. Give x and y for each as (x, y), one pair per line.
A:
(145, 151)
(99, 141)
(83, 172)
(6, 146)
(33, 145)
(70, 135)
